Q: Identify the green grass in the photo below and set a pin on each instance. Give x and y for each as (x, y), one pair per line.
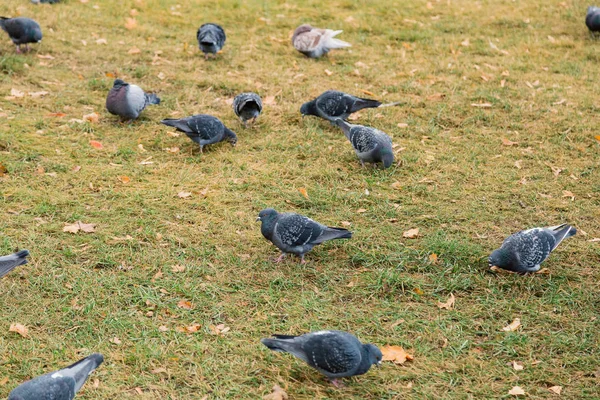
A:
(459, 186)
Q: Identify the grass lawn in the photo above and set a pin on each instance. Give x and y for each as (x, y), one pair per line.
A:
(473, 77)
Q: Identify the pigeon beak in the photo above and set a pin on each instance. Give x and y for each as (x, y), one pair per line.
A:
(378, 364)
(258, 219)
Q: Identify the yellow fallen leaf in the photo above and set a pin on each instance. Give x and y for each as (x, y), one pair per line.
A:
(101, 41)
(367, 92)
(396, 354)
(516, 391)
(3, 170)
(448, 305)
(79, 226)
(506, 142)
(96, 144)
(304, 193)
(184, 304)
(433, 258)
(278, 394)
(597, 137)
(411, 233)
(397, 185)
(92, 117)
(517, 365)
(555, 389)
(513, 326)
(124, 179)
(18, 328)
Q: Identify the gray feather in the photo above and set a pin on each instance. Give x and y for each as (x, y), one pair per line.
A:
(247, 106)
(592, 19)
(128, 100)
(10, 262)
(21, 30)
(332, 104)
(203, 129)
(211, 38)
(371, 145)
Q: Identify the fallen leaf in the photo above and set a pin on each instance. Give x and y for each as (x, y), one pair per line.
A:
(134, 50)
(278, 394)
(192, 328)
(101, 41)
(597, 137)
(269, 100)
(594, 240)
(220, 329)
(79, 226)
(56, 114)
(161, 75)
(555, 170)
(3, 170)
(517, 365)
(172, 150)
(115, 340)
(16, 93)
(18, 328)
(184, 195)
(551, 39)
(518, 164)
(513, 326)
(516, 391)
(433, 258)
(124, 179)
(447, 305)
(465, 43)
(523, 181)
(411, 233)
(304, 193)
(45, 56)
(184, 304)
(506, 142)
(397, 185)
(402, 125)
(396, 354)
(92, 117)
(436, 96)
(163, 328)
(96, 144)
(346, 223)
(38, 94)
(178, 268)
(567, 193)
(328, 72)
(361, 210)
(481, 105)
(131, 23)
(159, 370)
(555, 389)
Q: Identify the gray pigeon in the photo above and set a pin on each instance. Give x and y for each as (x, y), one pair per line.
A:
(247, 106)
(332, 104)
(371, 145)
(21, 30)
(335, 354)
(295, 233)
(127, 100)
(12, 261)
(524, 251)
(44, 1)
(203, 129)
(315, 42)
(592, 19)
(58, 385)
(211, 39)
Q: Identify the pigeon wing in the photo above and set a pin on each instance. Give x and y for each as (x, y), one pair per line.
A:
(297, 230)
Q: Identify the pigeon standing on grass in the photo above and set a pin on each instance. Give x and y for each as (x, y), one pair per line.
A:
(524, 251)
(59, 385)
(315, 42)
(371, 145)
(295, 233)
(211, 39)
(335, 354)
(21, 30)
(332, 104)
(12, 261)
(203, 129)
(592, 19)
(247, 106)
(127, 100)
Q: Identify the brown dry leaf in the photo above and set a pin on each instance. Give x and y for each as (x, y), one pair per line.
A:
(555, 389)
(134, 50)
(396, 354)
(361, 210)
(411, 233)
(163, 328)
(523, 181)
(465, 43)
(133, 12)
(278, 394)
(506, 142)
(192, 328)
(124, 179)
(172, 150)
(397, 185)
(184, 304)
(555, 170)
(131, 23)
(184, 195)
(92, 117)
(4, 381)
(481, 105)
(96, 144)
(3, 170)
(518, 164)
(161, 75)
(402, 125)
(304, 193)
(328, 72)
(56, 114)
(346, 223)
(597, 137)
(513, 326)
(436, 96)
(269, 101)
(433, 258)
(516, 391)
(16, 93)
(159, 370)
(517, 365)
(447, 305)
(220, 329)
(115, 340)
(177, 268)
(79, 226)
(101, 41)
(567, 193)
(18, 328)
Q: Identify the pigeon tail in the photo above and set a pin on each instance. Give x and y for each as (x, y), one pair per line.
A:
(12, 261)
(282, 343)
(333, 233)
(561, 232)
(22, 254)
(332, 43)
(179, 124)
(151, 98)
(82, 369)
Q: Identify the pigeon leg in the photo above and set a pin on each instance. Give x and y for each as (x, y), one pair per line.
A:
(206, 56)
(362, 163)
(27, 48)
(254, 120)
(18, 48)
(245, 124)
(302, 260)
(280, 258)
(201, 149)
(337, 383)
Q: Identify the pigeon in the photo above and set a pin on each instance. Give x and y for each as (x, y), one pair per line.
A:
(247, 106)
(592, 19)
(371, 145)
(335, 354)
(12, 261)
(524, 251)
(127, 100)
(315, 42)
(295, 233)
(332, 104)
(211, 39)
(21, 30)
(44, 1)
(58, 385)
(203, 129)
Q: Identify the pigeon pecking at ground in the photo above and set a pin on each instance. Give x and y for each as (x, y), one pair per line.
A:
(332, 104)
(21, 30)
(247, 106)
(524, 251)
(315, 42)
(12, 261)
(211, 39)
(335, 354)
(371, 145)
(295, 233)
(44, 1)
(58, 385)
(128, 100)
(203, 129)
(592, 19)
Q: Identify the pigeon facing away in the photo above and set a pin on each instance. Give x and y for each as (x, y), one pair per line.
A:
(12, 261)
(335, 354)
(247, 106)
(592, 19)
(315, 42)
(44, 1)
(524, 251)
(203, 129)
(127, 100)
(211, 39)
(295, 233)
(21, 30)
(58, 385)
(332, 104)
(371, 145)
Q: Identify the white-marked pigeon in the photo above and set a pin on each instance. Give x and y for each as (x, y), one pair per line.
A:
(58, 385)
(333, 104)
(12, 261)
(211, 39)
(295, 233)
(203, 129)
(335, 354)
(524, 251)
(247, 106)
(371, 145)
(21, 30)
(315, 42)
(127, 100)
(592, 19)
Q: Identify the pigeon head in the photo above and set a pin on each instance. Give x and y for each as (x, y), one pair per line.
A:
(231, 137)
(371, 355)
(502, 258)
(267, 215)
(308, 108)
(119, 82)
